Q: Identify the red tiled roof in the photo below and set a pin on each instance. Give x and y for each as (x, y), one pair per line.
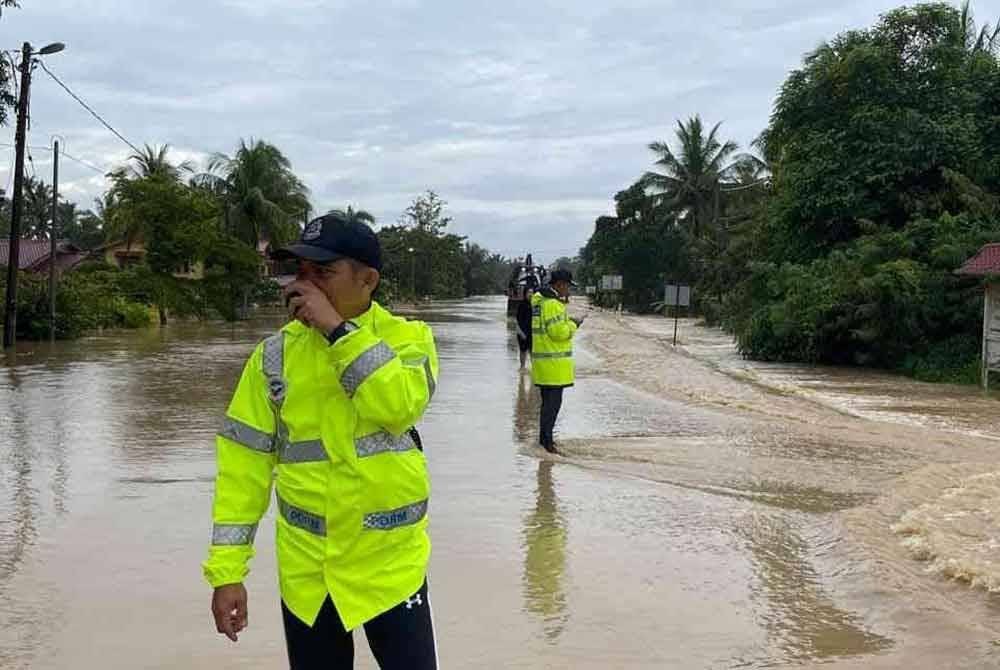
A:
(984, 264)
(31, 252)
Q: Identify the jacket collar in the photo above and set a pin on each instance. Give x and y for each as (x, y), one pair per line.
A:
(370, 318)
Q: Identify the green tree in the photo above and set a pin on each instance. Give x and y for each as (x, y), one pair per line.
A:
(699, 189)
(874, 128)
(37, 198)
(7, 75)
(690, 179)
(175, 221)
(351, 214)
(154, 161)
(89, 298)
(436, 265)
(427, 214)
(985, 40)
(885, 177)
(643, 243)
(231, 266)
(435, 268)
(261, 196)
(84, 229)
(485, 273)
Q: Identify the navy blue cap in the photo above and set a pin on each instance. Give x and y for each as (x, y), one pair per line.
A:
(332, 237)
(562, 275)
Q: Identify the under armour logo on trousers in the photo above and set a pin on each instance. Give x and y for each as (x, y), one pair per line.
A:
(415, 600)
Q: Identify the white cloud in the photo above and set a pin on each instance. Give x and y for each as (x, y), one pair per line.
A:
(526, 115)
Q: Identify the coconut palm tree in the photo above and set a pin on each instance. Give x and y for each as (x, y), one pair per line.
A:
(986, 40)
(152, 161)
(37, 198)
(351, 214)
(690, 180)
(262, 198)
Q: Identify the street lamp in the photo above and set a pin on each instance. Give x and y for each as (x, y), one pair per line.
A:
(28, 58)
(53, 48)
(413, 273)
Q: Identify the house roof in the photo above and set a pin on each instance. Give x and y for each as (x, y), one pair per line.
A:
(33, 252)
(119, 242)
(984, 264)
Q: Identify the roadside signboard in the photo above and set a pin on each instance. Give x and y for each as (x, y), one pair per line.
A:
(611, 283)
(677, 295)
(991, 329)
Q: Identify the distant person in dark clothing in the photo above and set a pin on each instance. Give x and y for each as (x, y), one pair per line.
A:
(524, 325)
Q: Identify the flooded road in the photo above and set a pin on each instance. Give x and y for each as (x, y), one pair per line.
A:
(708, 513)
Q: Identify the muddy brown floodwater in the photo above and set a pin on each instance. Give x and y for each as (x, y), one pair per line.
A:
(708, 512)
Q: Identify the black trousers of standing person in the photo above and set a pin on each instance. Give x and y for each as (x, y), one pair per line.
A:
(400, 639)
(552, 397)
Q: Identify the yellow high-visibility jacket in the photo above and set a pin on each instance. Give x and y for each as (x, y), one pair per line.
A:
(551, 341)
(333, 427)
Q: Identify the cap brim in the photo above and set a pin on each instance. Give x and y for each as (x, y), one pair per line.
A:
(305, 252)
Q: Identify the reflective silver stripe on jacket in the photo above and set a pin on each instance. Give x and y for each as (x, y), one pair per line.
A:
(431, 384)
(536, 310)
(425, 361)
(554, 354)
(249, 437)
(364, 366)
(273, 363)
(300, 518)
(397, 518)
(310, 451)
(233, 534)
(380, 443)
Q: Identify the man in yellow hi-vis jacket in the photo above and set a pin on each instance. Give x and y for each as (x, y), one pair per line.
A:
(552, 367)
(326, 410)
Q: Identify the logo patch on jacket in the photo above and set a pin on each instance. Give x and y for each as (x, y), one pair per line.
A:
(277, 388)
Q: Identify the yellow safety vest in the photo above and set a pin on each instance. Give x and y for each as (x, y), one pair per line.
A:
(551, 341)
(336, 423)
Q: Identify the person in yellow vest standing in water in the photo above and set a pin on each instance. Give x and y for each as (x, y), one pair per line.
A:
(552, 368)
(326, 410)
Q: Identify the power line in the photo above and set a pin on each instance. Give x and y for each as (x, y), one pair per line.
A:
(63, 153)
(83, 162)
(88, 107)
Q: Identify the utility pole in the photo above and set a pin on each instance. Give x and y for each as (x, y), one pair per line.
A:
(53, 233)
(677, 309)
(14, 246)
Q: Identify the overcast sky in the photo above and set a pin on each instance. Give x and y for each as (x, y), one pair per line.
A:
(526, 116)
